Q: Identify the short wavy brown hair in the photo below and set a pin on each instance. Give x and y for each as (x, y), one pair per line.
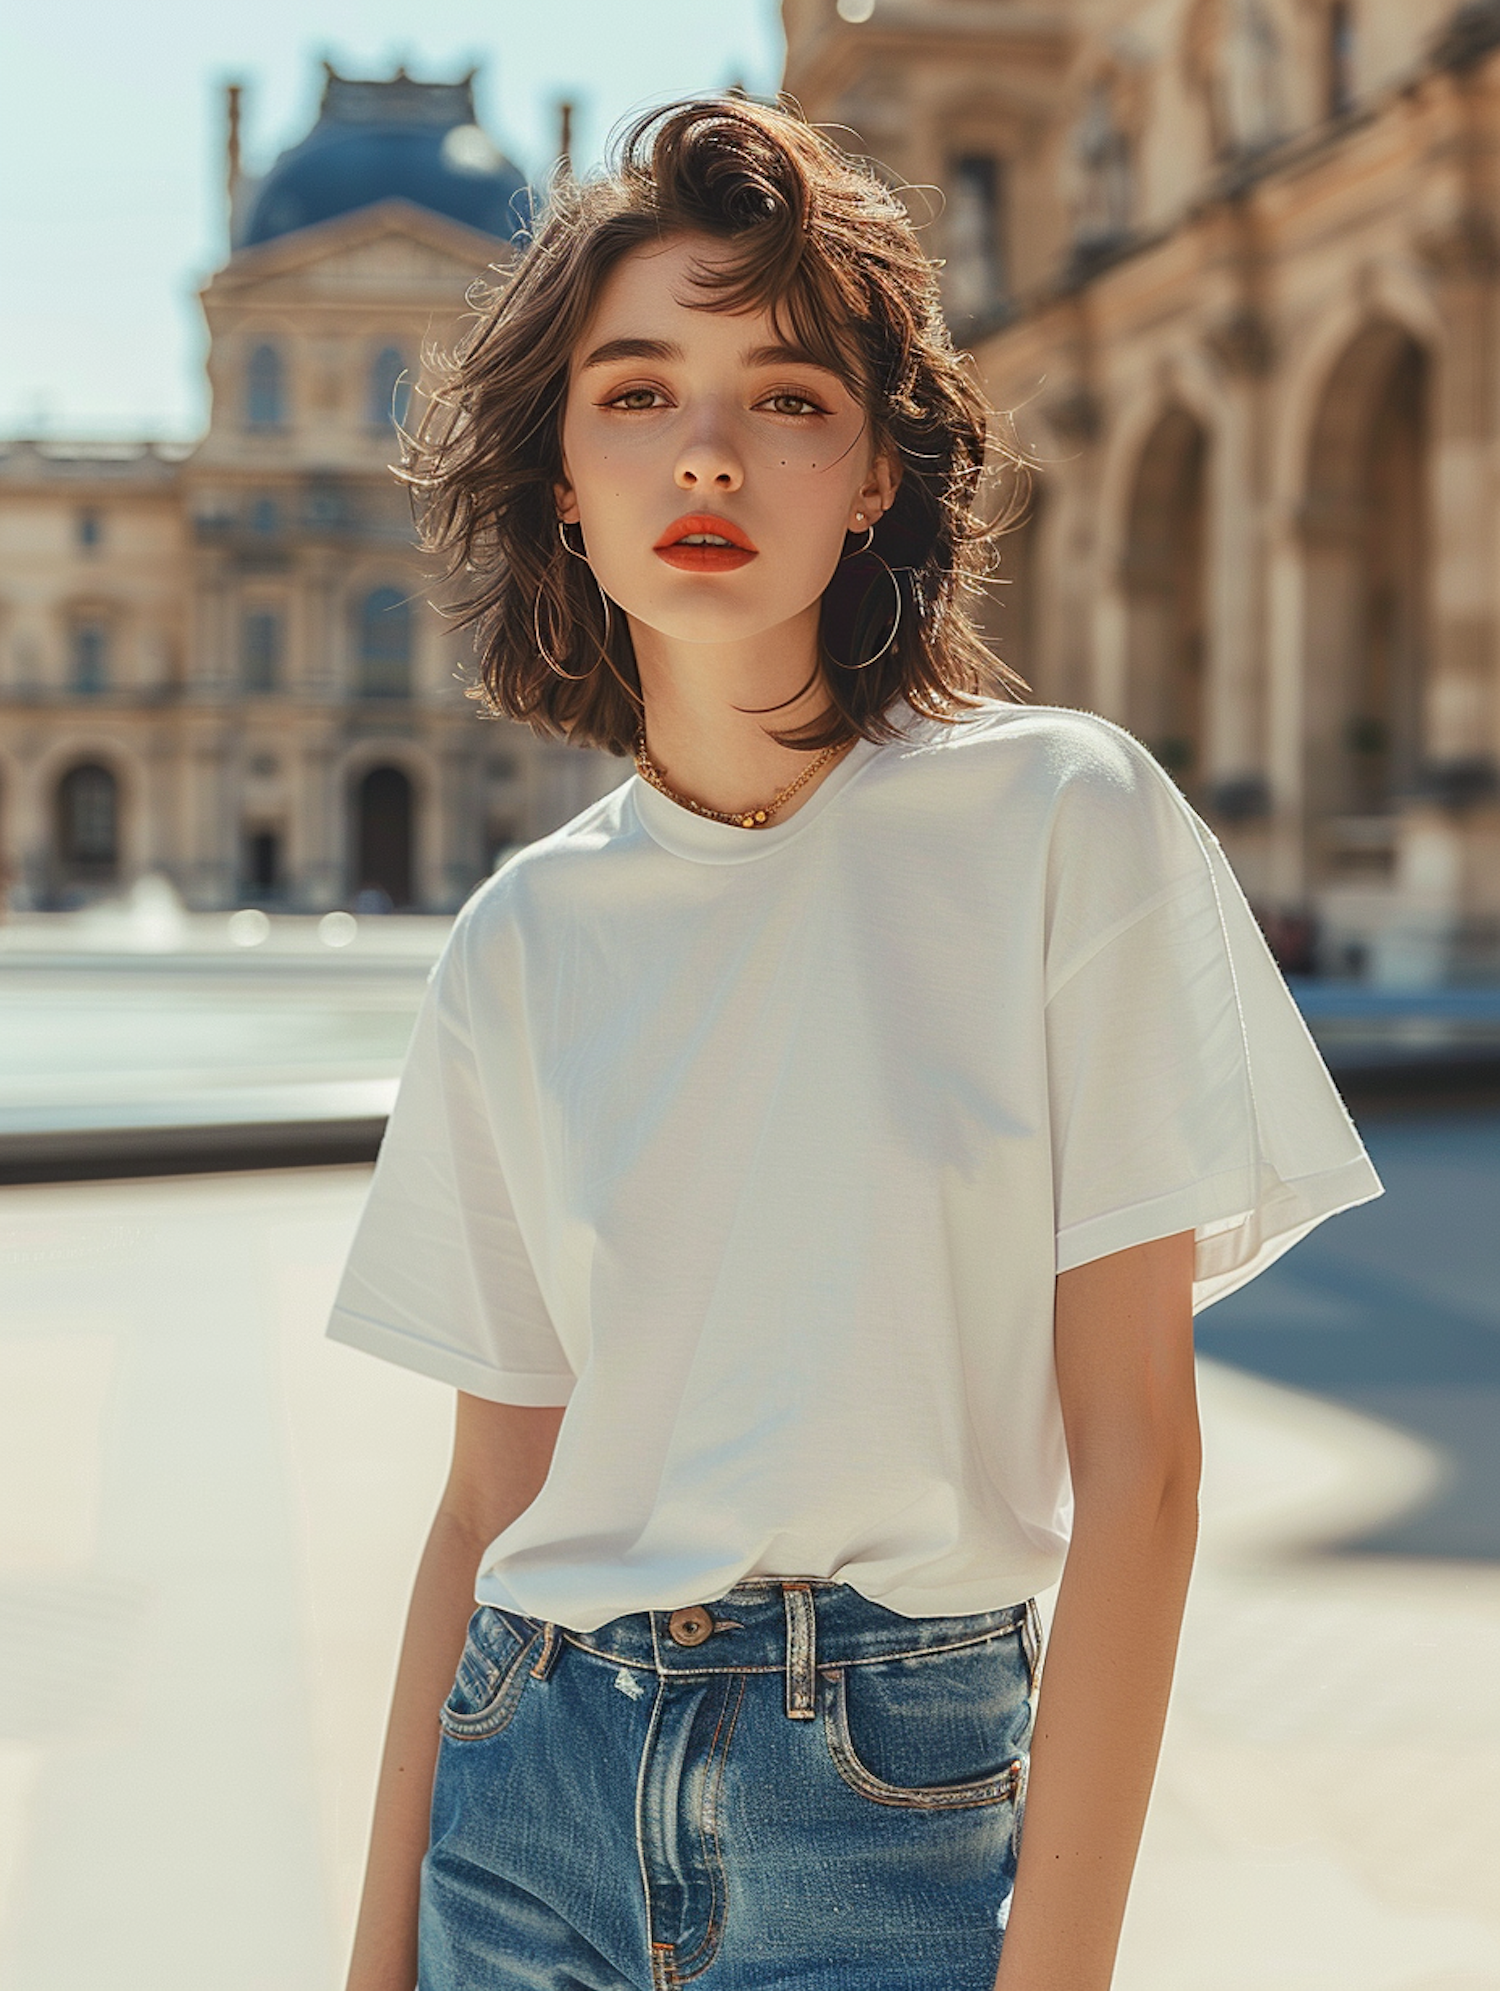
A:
(824, 246)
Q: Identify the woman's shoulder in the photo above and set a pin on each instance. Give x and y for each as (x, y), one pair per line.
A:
(1065, 761)
(531, 876)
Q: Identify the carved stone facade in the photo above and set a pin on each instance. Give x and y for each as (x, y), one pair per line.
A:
(1248, 327)
(216, 663)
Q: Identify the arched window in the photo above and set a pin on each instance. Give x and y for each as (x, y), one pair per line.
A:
(88, 821)
(265, 389)
(90, 658)
(260, 650)
(390, 388)
(385, 644)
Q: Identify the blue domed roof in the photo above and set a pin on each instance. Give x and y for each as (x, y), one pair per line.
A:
(395, 140)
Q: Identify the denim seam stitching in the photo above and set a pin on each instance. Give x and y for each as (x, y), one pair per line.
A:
(923, 1797)
(663, 1976)
(718, 1878)
(499, 1709)
(929, 1651)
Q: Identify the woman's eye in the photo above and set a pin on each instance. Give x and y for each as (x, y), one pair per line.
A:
(634, 399)
(789, 403)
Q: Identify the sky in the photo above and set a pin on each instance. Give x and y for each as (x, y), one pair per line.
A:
(112, 146)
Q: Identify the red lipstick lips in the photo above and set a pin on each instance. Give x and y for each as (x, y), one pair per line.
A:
(703, 544)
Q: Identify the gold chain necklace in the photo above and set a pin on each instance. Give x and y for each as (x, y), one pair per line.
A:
(740, 819)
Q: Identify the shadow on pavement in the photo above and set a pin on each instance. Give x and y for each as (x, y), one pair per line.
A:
(1394, 1309)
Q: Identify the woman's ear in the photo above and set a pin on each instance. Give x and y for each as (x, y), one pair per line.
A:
(877, 493)
(566, 501)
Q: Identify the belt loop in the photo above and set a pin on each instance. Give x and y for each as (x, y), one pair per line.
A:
(1031, 1639)
(546, 1659)
(801, 1651)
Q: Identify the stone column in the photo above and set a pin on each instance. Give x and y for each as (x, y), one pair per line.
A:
(316, 855)
(1461, 712)
(318, 663)
(1454, 834)
(1082, 631)
(159, 842)
(212, 870)
(459, 814)
(210, 661)
(33, 818)
(1237, 580)
(1287, 646)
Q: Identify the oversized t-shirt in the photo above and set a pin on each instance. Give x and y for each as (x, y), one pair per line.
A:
(761, 1151)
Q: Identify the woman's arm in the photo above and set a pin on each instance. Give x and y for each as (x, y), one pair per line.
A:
(501, 1453)
(1124, 1340)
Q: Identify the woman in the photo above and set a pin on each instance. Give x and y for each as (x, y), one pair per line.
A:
(807, 1162)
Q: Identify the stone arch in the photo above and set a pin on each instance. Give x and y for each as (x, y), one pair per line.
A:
(87, 824)
(40, 803)
(1313, 355)
(1162, 572)
(424, 818)
(1364, 519)
(1182, 378)
(383, 844)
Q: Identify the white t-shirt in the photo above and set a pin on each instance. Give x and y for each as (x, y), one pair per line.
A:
(760, 1151)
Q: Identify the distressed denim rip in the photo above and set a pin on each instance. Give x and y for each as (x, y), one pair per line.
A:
(800, 1789)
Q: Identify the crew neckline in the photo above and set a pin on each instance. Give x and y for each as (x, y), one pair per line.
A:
(688, 835)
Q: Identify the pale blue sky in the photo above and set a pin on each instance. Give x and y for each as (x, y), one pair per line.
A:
(111, 154)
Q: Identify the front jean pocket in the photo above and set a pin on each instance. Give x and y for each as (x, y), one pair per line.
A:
(491, 1674)
(935, 1731)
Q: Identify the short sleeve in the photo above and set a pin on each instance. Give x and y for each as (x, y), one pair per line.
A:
(1184, 1090)
(438, 1277)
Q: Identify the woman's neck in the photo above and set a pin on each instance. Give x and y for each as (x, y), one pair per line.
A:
(703, 735)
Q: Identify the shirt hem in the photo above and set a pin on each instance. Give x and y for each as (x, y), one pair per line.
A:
(1247, 1225)
(529, 1390)
(971, 1597)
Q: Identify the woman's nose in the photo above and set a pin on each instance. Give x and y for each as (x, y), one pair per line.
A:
(709, 464)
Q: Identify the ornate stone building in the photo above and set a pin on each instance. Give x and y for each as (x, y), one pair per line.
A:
(1235, 265)
(216, 663)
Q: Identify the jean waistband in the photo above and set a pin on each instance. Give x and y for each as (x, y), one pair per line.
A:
(784, 1624)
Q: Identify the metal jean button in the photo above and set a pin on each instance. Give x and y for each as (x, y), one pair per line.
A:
(691, 1625)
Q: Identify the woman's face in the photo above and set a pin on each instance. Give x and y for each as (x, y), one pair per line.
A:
(713, 469)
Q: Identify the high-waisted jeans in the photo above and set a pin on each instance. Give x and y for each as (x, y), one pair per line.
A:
(788, 1786)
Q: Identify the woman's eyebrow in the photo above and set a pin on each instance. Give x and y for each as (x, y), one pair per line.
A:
(617, 349)
(781, 353)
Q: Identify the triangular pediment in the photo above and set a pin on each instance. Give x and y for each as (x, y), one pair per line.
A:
(392, 246)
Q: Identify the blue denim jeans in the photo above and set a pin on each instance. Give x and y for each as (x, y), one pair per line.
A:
(788, 1786)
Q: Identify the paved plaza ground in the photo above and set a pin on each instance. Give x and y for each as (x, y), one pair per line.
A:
(209, 1518)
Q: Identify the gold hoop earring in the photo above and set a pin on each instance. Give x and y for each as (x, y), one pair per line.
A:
(855, 552)
(605, 656)
(895, 625)
(571, 677)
